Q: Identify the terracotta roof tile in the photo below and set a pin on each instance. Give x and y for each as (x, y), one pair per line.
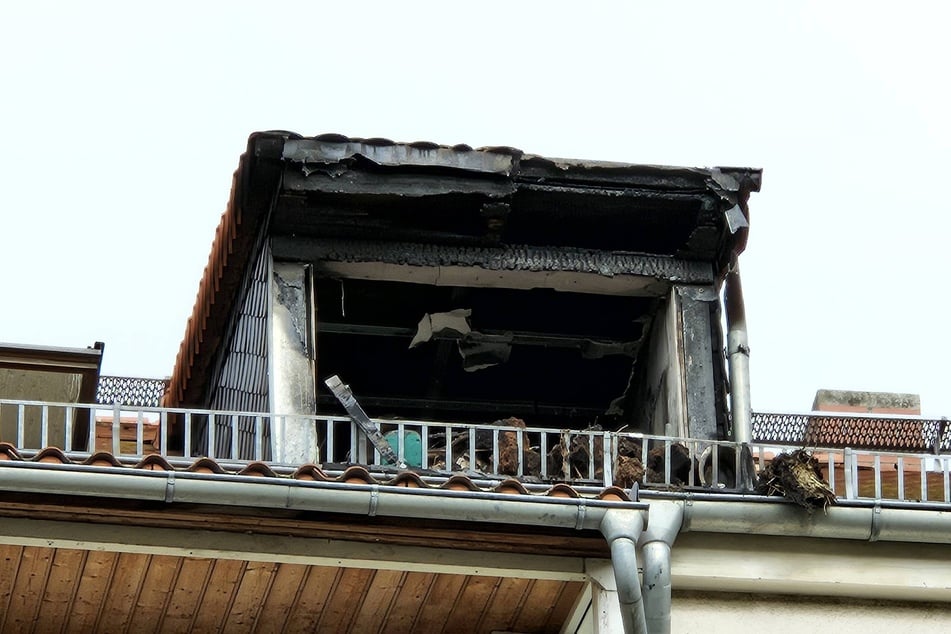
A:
(460, 483)
(206, 465)
(614, 494)
(154, 462)
(102, 459)
(52, 455)
(9, 452)
(357, 475)
(231, 250)
(512, 487)
(563, 491)
(409, 479)
(309, 472)
(258, 469)
(353, 474)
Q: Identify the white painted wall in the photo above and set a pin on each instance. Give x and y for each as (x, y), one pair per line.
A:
(713, 613)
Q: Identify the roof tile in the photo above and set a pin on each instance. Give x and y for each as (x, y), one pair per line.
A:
(102, 459)
(154, 462)
(206, 465)
(310, 472)
(52, 455)
(357, 475)
(511, 487)
(258, 469)
(9, 452)
(353, 474)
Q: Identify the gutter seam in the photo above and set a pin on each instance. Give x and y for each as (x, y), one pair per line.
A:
(876, 527)
(170, 488)
(374, 501)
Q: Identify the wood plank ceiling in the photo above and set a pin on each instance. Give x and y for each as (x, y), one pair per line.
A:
(65, 590)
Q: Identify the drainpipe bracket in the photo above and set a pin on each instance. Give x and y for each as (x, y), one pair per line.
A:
(170, 487)
(582, 512)
(374, 500)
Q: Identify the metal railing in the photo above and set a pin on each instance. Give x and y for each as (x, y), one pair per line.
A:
(840, 429)
(437, 450)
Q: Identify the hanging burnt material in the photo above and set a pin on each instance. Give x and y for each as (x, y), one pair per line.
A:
(509, 450)
(482, 451)
(577, 456)
(628, 468)
(574, 457)
(680, 465)
(797, 477)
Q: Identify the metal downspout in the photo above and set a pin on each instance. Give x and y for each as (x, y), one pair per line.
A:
(622, 529)
(663, 525)
(738, 360)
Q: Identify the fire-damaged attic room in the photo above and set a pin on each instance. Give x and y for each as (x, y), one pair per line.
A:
(460, 284)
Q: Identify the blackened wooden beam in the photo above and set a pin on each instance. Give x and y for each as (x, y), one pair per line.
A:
(654, 271)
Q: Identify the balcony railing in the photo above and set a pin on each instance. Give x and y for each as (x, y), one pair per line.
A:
(506, 449)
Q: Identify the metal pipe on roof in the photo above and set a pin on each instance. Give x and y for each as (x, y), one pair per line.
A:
(622, 529)
(738, 360)
(665, 520)
(738, 356)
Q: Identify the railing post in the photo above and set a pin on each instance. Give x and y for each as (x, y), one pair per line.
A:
(91, 436)
(116, 430)
(44, 426)
(848, 459)
(424, 446)
(163, 434)
(68, 429)
(21, 423)
(607, 458)
(139, 433)
(878, 477)
(520, 446)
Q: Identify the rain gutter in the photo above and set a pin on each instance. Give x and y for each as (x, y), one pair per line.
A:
(306, 495)
(849, 519)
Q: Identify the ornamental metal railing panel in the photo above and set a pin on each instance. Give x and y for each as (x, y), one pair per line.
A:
(130, 391)
(878, 432)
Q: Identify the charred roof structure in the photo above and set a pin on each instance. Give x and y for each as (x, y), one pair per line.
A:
(514, 301)
(467, 284)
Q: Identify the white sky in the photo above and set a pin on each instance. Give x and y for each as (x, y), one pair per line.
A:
(122, 123)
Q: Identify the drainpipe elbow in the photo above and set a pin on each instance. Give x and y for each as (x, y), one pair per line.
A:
(622, 529)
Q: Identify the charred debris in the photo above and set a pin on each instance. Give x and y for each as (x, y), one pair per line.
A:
(797, 477)
(478, 285)
(447, 283)
(472, 285)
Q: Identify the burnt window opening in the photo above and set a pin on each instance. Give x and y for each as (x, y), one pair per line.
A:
(553, 358)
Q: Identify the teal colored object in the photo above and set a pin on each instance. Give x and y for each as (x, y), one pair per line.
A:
(412, 446)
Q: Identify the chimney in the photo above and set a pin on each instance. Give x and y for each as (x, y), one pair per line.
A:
(867, 402)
